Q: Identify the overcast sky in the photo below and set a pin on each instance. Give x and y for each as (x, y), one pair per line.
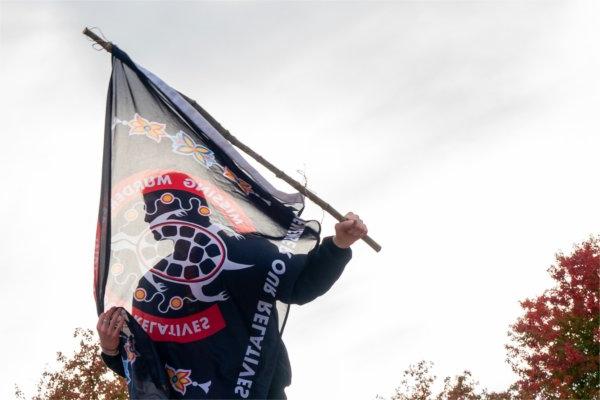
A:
(464, 133)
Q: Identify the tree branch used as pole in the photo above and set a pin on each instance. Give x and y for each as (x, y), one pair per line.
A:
(260, 159)
(106, 45)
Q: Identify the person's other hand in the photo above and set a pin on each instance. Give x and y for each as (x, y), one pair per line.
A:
(109, 326)
(349, 231)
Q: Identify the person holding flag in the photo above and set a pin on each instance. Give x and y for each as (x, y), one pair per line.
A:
(198, 256)
(325, 265)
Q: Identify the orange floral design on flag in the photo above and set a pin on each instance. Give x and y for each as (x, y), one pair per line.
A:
(242, 184)
(141, 126)
(179, 378)
(228, 174)
(130, 351)
(184, 144)
(245, 186)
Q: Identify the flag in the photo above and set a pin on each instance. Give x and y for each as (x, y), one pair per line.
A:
(199, 249)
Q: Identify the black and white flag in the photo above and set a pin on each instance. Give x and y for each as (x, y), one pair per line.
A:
(193, 243)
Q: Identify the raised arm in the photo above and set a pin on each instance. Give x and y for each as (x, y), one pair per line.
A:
(327, 262)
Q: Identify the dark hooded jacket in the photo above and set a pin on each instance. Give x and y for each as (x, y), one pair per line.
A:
(324, 266)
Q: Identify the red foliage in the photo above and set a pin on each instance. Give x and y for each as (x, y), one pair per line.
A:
(555, 345)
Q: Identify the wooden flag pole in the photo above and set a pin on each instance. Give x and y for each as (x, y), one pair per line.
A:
(260, 159)
(106, 45)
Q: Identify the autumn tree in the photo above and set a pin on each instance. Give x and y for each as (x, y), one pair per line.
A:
(555, 344)
(418, 381)
(81, 376)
